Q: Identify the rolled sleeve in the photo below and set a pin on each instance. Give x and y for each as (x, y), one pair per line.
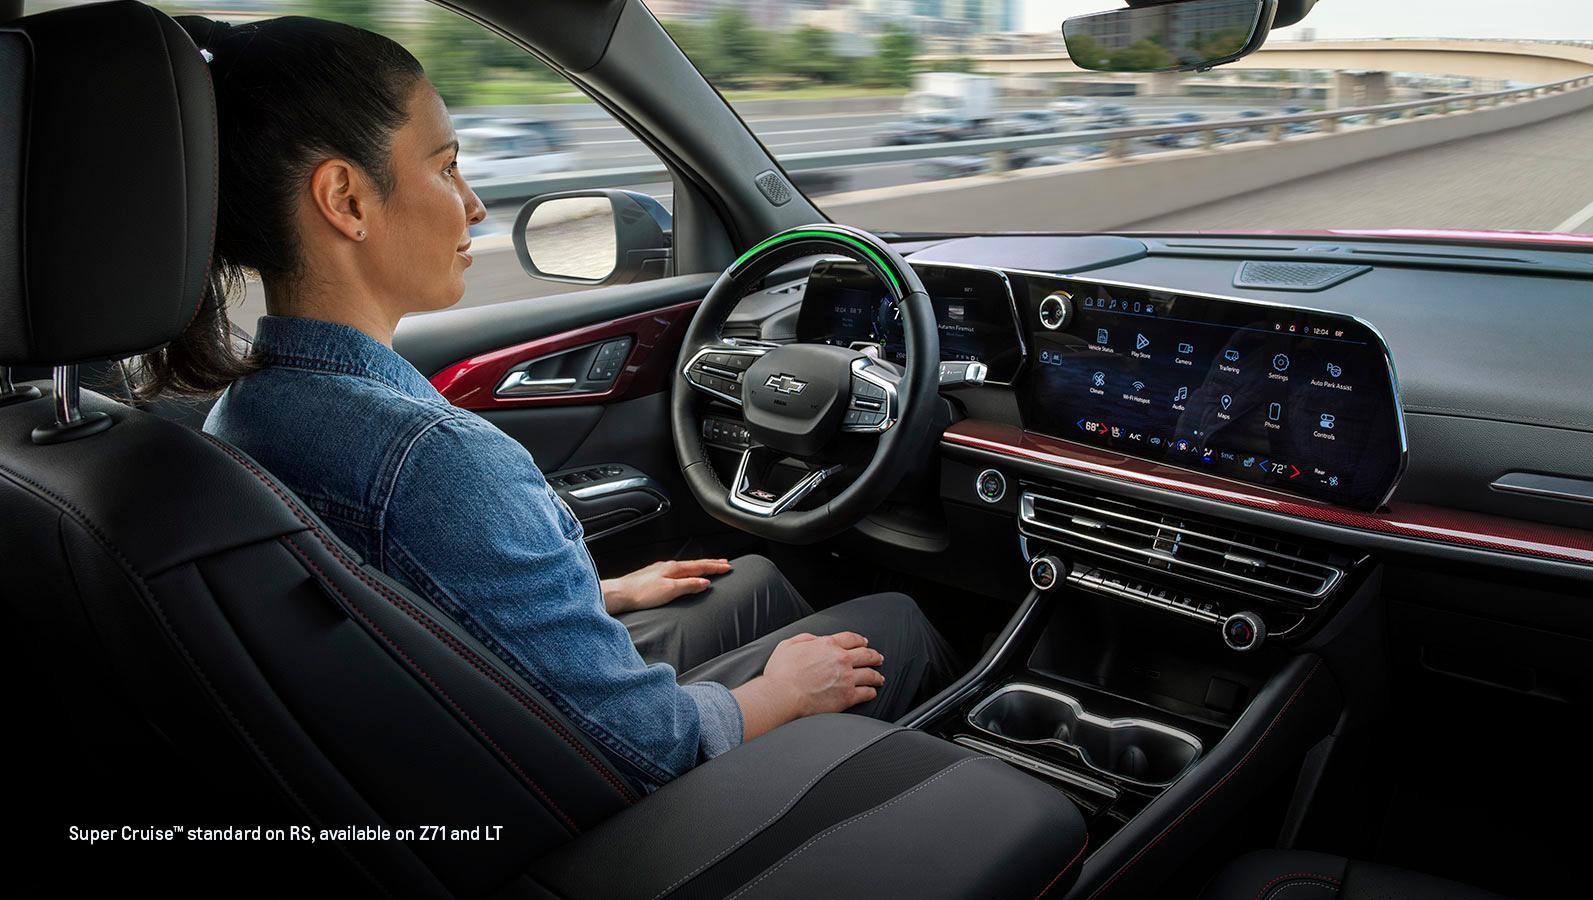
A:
(718, 716)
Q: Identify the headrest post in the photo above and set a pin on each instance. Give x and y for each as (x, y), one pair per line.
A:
(70, 424)
(10, 393)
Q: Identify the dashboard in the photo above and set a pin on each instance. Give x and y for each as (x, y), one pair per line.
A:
(1295, 399)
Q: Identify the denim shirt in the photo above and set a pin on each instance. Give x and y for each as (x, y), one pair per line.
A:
(445, 503)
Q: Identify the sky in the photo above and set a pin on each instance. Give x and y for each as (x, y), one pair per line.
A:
(1545, 19)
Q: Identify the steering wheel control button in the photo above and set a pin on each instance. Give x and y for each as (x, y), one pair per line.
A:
(991, 486)
(1056, 310)
(1045, 572)
(1243, 631)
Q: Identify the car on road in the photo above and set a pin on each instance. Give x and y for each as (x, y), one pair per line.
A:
(507, 150)
(1030, 121)
(927, 129)
(1072, 106)
(1115, 114)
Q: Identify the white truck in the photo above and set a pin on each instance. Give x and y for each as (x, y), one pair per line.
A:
(959, 94)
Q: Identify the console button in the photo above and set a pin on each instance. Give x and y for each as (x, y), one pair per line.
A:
(1243, 631)
(1045, 572)
(991, 486)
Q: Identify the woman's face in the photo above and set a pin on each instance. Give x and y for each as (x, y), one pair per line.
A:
(420, 232)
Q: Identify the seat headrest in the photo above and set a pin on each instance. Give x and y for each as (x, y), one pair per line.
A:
(107, 183)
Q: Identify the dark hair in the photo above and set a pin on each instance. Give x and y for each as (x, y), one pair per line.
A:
(291, 93)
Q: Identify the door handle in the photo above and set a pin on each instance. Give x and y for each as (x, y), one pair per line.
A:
(517, 384)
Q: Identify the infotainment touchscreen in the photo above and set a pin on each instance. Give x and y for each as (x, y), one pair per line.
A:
(844, 304)
(1299, 400)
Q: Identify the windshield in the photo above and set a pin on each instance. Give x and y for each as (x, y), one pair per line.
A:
(1366, 115)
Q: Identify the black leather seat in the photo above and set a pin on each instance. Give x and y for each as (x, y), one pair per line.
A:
(1302, 875)
(187, 644)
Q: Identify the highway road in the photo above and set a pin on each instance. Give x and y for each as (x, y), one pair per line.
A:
(1531, 178)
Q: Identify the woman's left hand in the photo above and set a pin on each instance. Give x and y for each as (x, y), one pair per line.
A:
(659, 583)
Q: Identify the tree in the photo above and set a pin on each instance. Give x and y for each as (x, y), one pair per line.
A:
(1143, 56)
(740, 50)
(451, 49)
(1086, 52)
(810, 53)
(370, 15)
(894, 58)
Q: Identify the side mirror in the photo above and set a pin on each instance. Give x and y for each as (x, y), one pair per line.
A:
(1173, 37)
(596, 237)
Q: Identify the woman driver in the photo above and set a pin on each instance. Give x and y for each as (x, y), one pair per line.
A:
(339, 186)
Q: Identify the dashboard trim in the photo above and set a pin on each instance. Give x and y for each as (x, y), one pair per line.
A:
(1388, 358)
(1436, 524)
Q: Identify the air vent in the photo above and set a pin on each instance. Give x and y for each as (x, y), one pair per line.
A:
(773, 187)
(1294, 276)
(1251, 562)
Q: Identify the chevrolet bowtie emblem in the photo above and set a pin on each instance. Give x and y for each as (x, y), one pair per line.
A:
(785, 384)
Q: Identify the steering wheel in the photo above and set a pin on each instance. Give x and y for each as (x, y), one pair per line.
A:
(812, 410)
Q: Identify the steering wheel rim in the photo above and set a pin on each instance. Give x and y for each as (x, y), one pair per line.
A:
(915, 392)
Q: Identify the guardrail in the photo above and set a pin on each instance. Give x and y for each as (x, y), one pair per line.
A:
(1117, 141)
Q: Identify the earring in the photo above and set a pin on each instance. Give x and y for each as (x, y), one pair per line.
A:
(360, 233)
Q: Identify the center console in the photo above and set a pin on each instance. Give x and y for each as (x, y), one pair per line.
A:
(1160, 673)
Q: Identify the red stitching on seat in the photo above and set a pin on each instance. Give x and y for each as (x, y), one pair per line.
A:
(453, 643)
(1269, 885)
(1071, 863)
(305, 558)
(1216, 787)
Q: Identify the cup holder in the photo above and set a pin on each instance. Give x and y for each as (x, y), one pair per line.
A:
(1134, 750)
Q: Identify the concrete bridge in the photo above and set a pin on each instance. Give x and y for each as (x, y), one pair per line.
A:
(1362, 66)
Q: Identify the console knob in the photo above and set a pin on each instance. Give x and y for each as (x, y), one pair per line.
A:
(1045, 571)
(1055, 310)
(1243, 631)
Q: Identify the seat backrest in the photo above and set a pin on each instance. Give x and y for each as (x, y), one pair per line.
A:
(188, 643)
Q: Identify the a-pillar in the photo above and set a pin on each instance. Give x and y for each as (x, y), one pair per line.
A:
(1352, 89)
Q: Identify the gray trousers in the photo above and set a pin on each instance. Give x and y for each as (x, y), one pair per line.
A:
(727, 633)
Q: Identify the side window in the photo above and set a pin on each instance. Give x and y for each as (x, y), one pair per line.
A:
(519, 123)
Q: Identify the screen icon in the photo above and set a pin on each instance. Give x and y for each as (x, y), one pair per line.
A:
(1089, 302)
(1156, 442)
(1117, 431)
(1136, 306)
(1100, 335)
(1183, 394)
(1141, 342)
(1227, 401)
(1275, 411)
(1335, 370)
(1186, 349)
(1333, 481)
(1248, 461)
(1045, 356)
(1326, 421)
(1098, 379)
(1281, 362)
(1231, 355)
(1139, 385)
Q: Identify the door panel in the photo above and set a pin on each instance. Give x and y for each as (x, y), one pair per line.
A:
(624, 422)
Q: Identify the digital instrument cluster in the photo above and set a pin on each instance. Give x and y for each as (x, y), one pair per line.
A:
(1293, 399)
(845, 304)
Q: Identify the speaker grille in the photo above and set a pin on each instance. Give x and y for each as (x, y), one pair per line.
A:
(1293, 276)
(774, 187)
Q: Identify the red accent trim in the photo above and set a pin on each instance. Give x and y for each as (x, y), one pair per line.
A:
(1474, 235)
(1414, 520)
(1302, 876)
(1071, 863)
(469, 384)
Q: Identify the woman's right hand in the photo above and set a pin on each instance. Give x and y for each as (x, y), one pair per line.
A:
(825, 674)
(806, 675)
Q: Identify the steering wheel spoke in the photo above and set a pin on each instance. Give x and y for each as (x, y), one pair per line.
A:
(875, 403)
(747, 490)
(719, 369)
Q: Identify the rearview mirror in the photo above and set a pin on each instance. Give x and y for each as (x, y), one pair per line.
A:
(1173, 37)
(594, 237)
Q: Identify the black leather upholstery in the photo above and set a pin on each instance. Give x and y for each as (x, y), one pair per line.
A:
(189, 645)
(108, 187)
(807, 810)
(1301, 875)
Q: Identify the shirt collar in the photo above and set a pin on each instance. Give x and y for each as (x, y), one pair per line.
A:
(337, 348)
